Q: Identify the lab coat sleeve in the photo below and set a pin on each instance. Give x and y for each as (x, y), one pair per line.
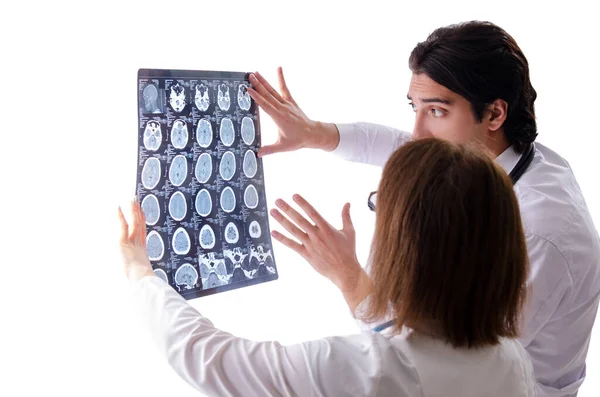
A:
(549, 283)
(548, 312)
(219, 364)
(361, 310)
(369, 143)
(358, 315)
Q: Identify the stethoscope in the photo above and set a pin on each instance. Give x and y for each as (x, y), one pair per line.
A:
(515, 174)
(523, 163)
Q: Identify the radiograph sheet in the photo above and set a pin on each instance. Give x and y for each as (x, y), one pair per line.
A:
(200, 181)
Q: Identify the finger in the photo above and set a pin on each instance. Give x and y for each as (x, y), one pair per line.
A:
(289, 226)
(142, 218)
(346, 219)
(301, 221)
(272, 149)
(259, 87)
(288, 242)
(263, 102)
(285, 92)
(311, 212)
(124, 227)
(144, 231)
(269, 87)
(135, 229)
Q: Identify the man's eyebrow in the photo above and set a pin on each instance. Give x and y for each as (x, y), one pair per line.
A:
(433, 100)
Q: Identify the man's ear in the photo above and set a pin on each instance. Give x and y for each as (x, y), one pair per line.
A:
(496, 114)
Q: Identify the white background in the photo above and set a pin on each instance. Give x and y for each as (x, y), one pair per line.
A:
(69, 152)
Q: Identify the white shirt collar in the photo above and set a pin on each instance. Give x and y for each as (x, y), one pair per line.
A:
(508, 159)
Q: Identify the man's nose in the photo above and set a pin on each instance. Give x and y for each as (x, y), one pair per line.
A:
(420, 129)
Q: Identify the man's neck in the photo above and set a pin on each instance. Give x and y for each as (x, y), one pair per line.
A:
(496, 143)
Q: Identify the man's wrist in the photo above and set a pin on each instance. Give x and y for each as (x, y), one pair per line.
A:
(327, 136)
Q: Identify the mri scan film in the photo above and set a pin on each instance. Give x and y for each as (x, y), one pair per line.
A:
(200, 182)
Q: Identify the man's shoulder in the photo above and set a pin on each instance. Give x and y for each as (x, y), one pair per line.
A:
(553, 208)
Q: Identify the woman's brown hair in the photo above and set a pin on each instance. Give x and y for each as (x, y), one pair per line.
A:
(449, 246)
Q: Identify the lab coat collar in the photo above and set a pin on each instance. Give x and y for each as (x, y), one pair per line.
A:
(508, 159)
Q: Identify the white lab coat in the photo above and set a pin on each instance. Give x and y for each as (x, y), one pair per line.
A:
(368, 364)
(563, 248)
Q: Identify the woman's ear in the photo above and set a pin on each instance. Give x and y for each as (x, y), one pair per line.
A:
(497, 112)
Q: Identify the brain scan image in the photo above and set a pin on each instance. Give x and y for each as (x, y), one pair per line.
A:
(207, 237)
(181, 241)
(261, 262)
(248, 132)
(228, 201)
(232, 235)
(227, 166)
(155, 246)
(223, 98)
(250, 166)
(251, 197)
(227, 132)
(200, 180)
(151, 173)
(203, 169)
(186, 276)
(161, 273)
(179, 134)
(254, 229)
(201, 97)
(177, 97)
(203, 203)
(244, 98)
(151, 209)
(152, 135)
(204, 133)
(212, 271)
(237, 265)
(151, 99)
(178, 170)
(177, 206)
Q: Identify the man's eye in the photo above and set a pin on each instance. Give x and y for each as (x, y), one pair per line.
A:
(437, 112)
(412, 105)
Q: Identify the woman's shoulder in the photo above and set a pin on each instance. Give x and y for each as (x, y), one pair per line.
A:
(366, 362)
(516, 353)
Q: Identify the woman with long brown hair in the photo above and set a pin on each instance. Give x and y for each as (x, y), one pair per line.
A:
(442, 301)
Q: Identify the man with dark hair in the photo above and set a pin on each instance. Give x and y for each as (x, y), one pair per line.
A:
(471, 83)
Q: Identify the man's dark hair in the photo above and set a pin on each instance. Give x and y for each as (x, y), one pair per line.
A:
(482, 63)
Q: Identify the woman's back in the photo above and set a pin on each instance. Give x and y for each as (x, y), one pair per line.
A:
(442, 370)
